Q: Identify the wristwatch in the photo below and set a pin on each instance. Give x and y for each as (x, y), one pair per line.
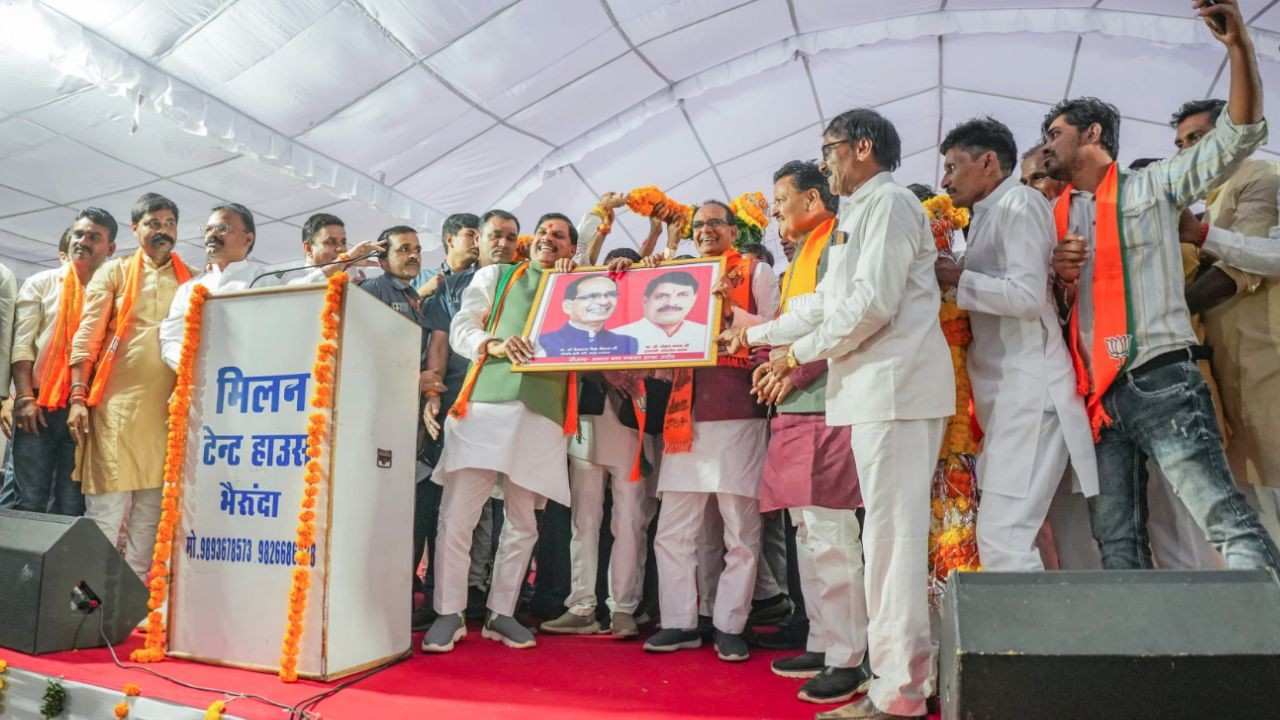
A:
(792, 362)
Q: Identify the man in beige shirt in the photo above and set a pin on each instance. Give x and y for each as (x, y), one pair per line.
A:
(43, 449)
(118, 405)
(1239, 311)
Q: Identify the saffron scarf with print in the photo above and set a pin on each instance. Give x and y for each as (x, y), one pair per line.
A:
(677, 428)
(124, 320)
(1111, 346)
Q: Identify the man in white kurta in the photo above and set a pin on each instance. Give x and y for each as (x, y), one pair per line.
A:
(1024, 386)
(874, 318)
(506, 428)
(228, 239)
(723, 465)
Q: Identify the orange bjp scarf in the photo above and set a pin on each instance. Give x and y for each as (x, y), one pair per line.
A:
(1112, 342)
(463, 402)
(55, 382)
(124, 320)
(677, 427)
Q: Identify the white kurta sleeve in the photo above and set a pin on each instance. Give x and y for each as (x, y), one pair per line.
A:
(803, 315)
(174, 326)
(1257, 255)
(891, 237)
(466, 333)
(1025, 233)
(587, 227)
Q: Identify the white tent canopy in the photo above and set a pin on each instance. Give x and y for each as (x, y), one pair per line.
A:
(402, 111)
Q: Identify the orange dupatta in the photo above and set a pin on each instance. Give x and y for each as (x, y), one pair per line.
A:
(124, 319)
(1112, 342)
(801, 276)
(55, 382)
(677, 427)
(462, 403)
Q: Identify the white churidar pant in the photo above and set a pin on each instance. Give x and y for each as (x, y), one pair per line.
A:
(829, 558)
(680, 523)
(1007, 525)
(895, 461)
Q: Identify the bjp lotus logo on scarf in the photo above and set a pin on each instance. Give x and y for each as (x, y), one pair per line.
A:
(1118, 347)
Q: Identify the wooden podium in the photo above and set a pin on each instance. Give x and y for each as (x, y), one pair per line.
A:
(234, 547)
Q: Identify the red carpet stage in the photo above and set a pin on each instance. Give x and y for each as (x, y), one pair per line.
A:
(564, 678)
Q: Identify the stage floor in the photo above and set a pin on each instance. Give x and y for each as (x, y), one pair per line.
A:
(564, 678)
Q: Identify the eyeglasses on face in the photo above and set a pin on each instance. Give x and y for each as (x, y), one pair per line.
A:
(711, 224)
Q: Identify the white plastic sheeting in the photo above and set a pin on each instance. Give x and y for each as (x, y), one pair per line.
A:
(401, 111)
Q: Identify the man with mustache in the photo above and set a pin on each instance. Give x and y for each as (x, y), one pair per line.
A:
(228, 239)
(400, 263)
(505, 427)
(1024, 388)
(874, 319)
(119, 385)
(668, 298)
(48, 310)
(589, 302)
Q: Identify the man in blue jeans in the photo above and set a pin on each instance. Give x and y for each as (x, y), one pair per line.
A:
(1119, 276)
(43, 449)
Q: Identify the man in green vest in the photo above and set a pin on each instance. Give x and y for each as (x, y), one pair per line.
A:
(505, 428)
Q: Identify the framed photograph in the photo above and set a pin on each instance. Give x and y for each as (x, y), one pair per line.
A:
(644, 318)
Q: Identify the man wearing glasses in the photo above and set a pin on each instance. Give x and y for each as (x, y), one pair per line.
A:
(120, 388)
(874, 318)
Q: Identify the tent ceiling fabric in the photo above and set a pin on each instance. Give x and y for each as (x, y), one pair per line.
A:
(401, 111)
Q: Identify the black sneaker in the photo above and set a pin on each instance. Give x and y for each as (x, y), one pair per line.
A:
(673, 639)
(770, 611)
(799, 666)
(422, 617)
(731, 648)
(834, 685)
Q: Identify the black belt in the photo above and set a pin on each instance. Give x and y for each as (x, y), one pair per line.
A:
(1195, 353)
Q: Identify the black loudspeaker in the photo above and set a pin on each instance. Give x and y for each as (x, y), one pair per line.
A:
(49, 565)
(1116, 645)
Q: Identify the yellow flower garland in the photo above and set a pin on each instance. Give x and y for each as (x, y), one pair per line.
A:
(953, 544)
(318, 430)
(171, 495)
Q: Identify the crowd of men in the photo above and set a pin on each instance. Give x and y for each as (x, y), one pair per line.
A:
(790, 484)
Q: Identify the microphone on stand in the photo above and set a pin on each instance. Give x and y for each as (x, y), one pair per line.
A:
(281, 273)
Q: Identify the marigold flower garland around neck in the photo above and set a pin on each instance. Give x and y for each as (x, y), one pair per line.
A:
(319, 425)
(953, 543)
(171, 495)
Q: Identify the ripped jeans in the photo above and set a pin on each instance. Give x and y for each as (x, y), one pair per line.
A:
(1166, 414)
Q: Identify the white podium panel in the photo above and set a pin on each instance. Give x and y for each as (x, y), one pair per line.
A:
(243, 483)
